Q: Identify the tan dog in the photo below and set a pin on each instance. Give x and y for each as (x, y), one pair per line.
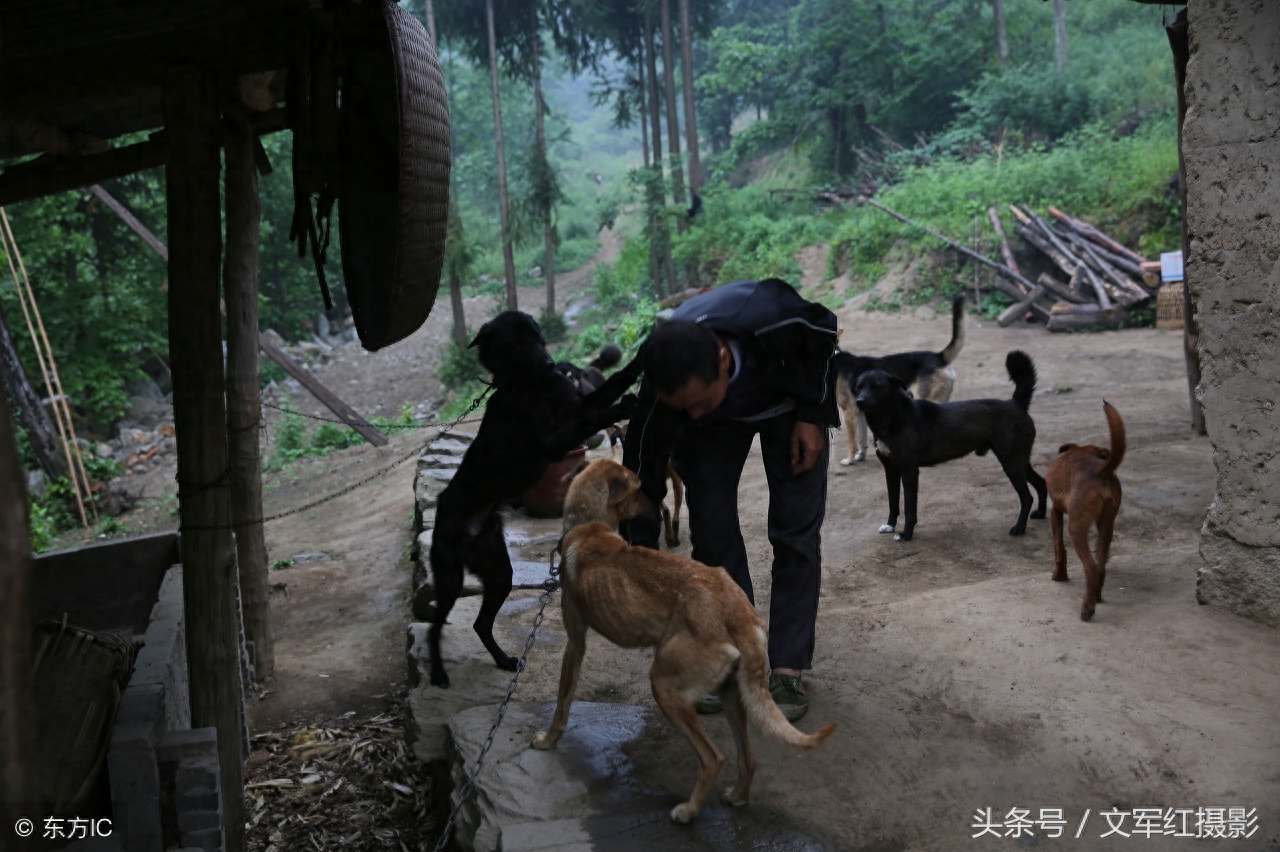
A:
(670, 518)
(1083, 483)
(707, 634)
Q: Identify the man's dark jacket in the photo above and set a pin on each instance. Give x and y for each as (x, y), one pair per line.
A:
(795, 340)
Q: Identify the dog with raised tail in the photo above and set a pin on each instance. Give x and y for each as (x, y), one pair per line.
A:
(1083, 483)
(915, 433)
(707, 635)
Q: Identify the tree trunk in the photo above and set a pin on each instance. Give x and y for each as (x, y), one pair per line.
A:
(17, 728)
(504, 202)
(548, 233)
(690, 114)
(1002, 39)
(200, 418)
(459, 321)
(673, 121)
(430, 14)
(655, 272)
(44, 441)
(244, 413)
(655, 116)
(1060, 35)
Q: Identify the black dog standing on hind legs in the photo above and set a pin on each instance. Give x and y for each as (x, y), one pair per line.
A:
(916, 433)
(535, 416)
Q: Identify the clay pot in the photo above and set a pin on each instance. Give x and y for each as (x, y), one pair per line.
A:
(545, 499)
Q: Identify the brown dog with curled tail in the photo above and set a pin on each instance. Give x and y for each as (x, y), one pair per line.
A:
(1082, 481)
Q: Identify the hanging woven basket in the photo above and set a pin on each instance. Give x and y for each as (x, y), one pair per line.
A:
(393, 204)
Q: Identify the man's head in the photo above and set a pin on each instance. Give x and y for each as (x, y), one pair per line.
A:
(688, 366)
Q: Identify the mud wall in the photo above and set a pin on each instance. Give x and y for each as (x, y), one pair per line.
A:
(1231, 149)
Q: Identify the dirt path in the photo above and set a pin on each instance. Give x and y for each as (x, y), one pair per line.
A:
(962, 678)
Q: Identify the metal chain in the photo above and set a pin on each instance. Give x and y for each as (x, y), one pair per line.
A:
(549, 587)
(416, 451)
(385, 426)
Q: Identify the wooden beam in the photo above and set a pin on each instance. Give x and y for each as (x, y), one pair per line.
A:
(244, 411)
(153, 242)
(320, 392)
(49, 174)
(17, 726)
(200, 418)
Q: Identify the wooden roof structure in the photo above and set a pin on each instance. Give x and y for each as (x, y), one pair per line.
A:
(76, 75)
(92, 90)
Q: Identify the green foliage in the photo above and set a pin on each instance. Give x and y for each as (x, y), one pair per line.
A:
(554, 328)
(750, 233)
(618, 286)
(291, 441)
(460, 365)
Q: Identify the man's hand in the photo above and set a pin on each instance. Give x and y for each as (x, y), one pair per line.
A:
(807, 442)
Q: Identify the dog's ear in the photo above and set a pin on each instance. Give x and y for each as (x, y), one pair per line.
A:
(622, 484)
(1066, 448)
(480, 337)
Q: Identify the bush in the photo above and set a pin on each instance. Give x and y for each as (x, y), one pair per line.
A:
(460, 365)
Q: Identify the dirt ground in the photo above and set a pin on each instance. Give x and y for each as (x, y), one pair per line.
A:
(960, 676)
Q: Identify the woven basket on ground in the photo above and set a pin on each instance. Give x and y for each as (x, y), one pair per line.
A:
(394, 202)
(1169, 301)
(78, 677)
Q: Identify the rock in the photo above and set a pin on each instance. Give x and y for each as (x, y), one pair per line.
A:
(144, 387)
(536, 272)
(133, 437)
(37, 483)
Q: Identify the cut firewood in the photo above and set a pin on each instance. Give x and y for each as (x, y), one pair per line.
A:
(1066, 262)
(1061, 289)
(1004, 243)
(1109, 272)
(1081, 317)
(1096, 235)
(1019, 309)
(1104, 300)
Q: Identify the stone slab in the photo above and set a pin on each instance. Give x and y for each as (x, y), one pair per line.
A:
(609, 784)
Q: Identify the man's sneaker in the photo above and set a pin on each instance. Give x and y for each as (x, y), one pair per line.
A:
(709, 704)
(788, 693)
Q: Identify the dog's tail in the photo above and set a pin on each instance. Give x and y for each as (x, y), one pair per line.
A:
(761, 708)
(1118, 445)
(957, 331)
(608, 357)
(1023, 374)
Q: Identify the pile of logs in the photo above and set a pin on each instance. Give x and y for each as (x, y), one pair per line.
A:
(1101, 280)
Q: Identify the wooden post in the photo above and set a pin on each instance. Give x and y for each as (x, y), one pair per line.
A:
(244, 413)
(17, 728)
(200, 418)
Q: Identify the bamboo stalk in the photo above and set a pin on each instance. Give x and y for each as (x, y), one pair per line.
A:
(75, 462)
